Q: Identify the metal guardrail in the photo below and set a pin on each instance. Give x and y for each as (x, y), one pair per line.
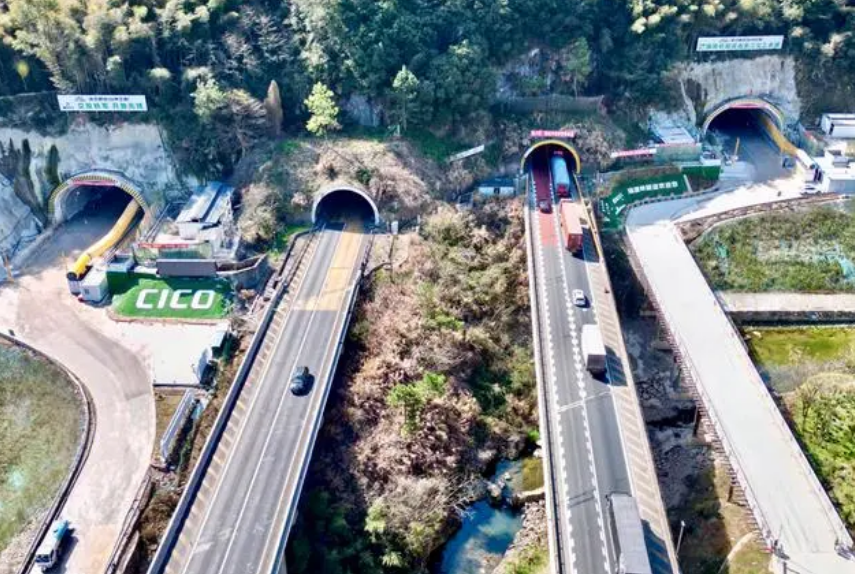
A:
(167, 441)
(177, 521)
(80, 456)
(278, 563)
(762, 521)
(554, 538)
(130, 523)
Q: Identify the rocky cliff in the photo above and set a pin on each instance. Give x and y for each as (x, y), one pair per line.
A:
(707, 84)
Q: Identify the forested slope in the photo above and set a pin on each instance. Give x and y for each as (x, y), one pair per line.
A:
(207, 64)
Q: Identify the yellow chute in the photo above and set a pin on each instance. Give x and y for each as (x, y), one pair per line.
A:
(100, 247)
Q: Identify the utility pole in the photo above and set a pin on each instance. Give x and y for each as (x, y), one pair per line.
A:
(680, 537)
(736, 148)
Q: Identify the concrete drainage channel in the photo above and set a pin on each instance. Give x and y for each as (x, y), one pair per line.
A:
(79, 458)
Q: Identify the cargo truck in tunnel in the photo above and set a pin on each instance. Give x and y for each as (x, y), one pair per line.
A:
(560, 175)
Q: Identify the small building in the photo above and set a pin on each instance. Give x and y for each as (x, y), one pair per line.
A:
(838, 125)
(836, 172)
(93, 287)
(497, 187)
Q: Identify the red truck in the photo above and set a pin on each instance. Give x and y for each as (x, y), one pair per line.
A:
(571, 223)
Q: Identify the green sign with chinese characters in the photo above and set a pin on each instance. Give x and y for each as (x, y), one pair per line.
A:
(739, 43)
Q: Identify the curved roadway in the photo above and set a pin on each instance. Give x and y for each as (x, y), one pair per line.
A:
(42, 313)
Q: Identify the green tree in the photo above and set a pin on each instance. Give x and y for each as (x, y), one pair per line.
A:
(208, 99)
(273, 107)
(323, 109)
(405, 93)
(578, 63)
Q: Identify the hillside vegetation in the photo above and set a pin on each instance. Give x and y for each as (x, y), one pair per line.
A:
(207, 65)
(811, 251)
(814, 373)
(437, 381)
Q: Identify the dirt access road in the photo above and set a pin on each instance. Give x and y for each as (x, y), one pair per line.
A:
(110, 360)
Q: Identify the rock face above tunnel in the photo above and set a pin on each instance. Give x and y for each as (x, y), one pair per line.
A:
(135, 150)
(18, 225)
(705, 85)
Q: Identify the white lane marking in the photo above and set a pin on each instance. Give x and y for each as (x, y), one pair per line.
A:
(272, 426)
(552, 377)
(243, 425)
(330, 375)
(580, 381)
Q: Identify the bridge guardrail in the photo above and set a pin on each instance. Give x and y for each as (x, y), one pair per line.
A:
(279, 556)
(762, 521)
(173, 529)
(554, 539)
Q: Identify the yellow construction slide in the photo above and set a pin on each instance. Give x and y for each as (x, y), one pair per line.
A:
(100, 247)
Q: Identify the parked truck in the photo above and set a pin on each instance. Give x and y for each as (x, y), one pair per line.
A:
(50, 549)
(593, 349)
(571, 224)
(627, 531)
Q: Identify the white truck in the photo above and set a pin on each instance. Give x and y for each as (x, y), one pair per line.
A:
(627, 530)
(593, 349)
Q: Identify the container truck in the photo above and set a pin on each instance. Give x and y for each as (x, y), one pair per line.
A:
(571, 225)
(593, 349)
(560, 176)
(627, 535)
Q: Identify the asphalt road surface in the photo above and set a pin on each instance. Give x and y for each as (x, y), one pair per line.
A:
(250, 492)
(42, 312)
(589, 461)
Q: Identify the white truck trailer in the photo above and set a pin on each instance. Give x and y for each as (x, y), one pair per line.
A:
(593, 349)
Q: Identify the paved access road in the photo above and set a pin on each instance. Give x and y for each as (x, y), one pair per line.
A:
(588, 457)
(239, 519)
(787, 499)
(40, 310)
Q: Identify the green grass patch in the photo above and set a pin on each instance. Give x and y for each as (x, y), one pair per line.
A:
(283, 238)
(752, 558)
(809, 251)
(533, 560)
(824, 419)
(432, 146)
(532, 473)
(792, 346)
(289, 147)
(175, 298)
(40, 420)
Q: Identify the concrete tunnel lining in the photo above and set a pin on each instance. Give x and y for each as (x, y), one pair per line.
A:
(554, 142)
(319, 197)
(758, 104)
(58, 203)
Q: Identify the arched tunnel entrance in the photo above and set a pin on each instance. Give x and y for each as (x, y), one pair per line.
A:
(746, 132)
(552, 166)
(345, 203)
(97, 213)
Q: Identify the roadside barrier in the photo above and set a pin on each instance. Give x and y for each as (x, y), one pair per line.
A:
(170, 537)
(80, 456)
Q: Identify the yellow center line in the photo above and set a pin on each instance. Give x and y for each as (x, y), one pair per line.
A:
(340, 271)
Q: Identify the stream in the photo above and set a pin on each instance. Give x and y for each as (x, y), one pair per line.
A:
(486, 531)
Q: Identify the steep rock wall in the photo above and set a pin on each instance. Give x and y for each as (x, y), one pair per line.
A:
(135, 150)
(17, 222)
(707, 84)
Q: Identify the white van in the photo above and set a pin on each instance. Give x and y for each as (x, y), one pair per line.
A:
(51, 547)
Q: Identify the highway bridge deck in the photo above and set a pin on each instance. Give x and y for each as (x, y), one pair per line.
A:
(241, 514)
